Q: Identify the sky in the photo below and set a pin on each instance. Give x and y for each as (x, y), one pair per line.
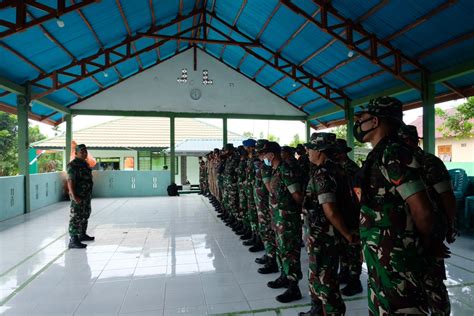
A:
(284, 130)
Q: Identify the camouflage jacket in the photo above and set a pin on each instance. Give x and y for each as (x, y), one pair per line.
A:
(81, 175)
(284, 182)
(260, 171)
(230, 171)
(250, 169)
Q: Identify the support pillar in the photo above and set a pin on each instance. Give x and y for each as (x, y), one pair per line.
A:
(172, 152)
(67, 154)
(23, 107)
(308, 130)
(349, 125)
(428, 99)
(224, 131)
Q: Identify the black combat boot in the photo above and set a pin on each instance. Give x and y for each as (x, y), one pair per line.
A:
(282, 281)
(353, 287)
(75, 243)
(262, 260)
(344, 276)
(316, 309)
(251, 241)
(247, 235)
(292, 294)
(258, 246)
(269, 267)
(85, 237)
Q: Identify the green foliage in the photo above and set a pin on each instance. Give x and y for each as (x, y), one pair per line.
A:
(9, 143)
(248, 135)
(50, 162)
(273, 138)
(341, 132)
(459, 124)
(296, 140)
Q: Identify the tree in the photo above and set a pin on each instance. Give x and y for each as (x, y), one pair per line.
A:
(273, 138)
(248, 135)
(459, 124)
(341, 132)
(9, 143)
(296, 140)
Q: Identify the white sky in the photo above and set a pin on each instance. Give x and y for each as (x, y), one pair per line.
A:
(284, 130)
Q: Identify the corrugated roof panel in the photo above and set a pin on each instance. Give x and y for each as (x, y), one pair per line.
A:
(137, 14)
(62, 96)
(85, 87)
(58, 117)
(284, 23)
(354, 9)
(254, 16)
(268, 76)
(9, 99)
(380, 82)
(464, 81)
(128, 67)
(302, 96)
(285, 86)
(233, 54)
(250, 65)
(20, 73)
(165, 10)
(106, 21)
(450, 56)
(40, 109)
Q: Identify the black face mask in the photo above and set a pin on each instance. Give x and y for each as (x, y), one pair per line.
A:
(359, 134)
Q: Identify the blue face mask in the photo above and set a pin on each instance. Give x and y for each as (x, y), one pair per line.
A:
(267, 162)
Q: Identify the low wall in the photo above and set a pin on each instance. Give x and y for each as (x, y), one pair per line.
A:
(46, 189)
(467, 166)
(12, 202)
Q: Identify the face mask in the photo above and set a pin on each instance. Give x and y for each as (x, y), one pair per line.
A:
(267, 162)
(359, 134)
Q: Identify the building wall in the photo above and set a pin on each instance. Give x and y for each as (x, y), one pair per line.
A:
(462, 150)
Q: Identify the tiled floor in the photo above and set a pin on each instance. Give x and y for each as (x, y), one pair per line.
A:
(156, 256)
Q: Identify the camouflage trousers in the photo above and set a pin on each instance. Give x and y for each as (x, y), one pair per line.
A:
(232, 199)
(287, 227)
(436, 292)
(251, 207)
(394, 272)
(80, 213)
(323, 252)
(265, 230)
(243, 204)
(351, 259)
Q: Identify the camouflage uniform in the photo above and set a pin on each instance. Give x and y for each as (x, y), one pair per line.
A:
(249, 193)
(286, 220)
(304, 166)
(390, 242)
(351, 256)
(230, 185)
(202, 176)
(267, 235)
(323, 241)
(81, 175)
(243, 203)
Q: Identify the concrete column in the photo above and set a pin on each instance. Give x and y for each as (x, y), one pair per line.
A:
(428, 99)
(350, 124)
(172, 152)
(308, 130)
(67, 153)
(224, 131)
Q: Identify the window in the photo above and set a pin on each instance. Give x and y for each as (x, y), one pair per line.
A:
(464, 145)
(144, 160)
(445, 153)
(108, 163)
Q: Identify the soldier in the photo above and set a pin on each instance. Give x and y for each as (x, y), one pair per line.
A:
(351, 256)
(285, 202)
(79, 183)
(246, 231)
(438, 182)
(267, 234)
(324, 225)
(255, 241)
(304, 165)
(396, 218)
(230, 184)
(202, 176)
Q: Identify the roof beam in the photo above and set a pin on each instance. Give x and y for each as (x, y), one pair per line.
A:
(330, 21)
(21, 23)
(298, 74)
(180, 11)
(199, 40)
(234, 23)
(129, 32)
(157, 62)
(260, 33)
(105, 57)
(12, 110)
(365, 16)
(189, 115)
(447, 44)
(153, 22)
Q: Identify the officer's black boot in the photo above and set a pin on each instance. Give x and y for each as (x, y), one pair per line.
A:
(85, 237)
(251, 241)
(262, 260)
(292, 294)
(247, 235)
(258, 246)
(316, 309)
(282, 281)
(269, 267)
(353, 287)
(75, 243)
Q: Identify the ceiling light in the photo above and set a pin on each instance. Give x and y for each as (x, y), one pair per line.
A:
(60, 22)
(105, 74)
(350, 53)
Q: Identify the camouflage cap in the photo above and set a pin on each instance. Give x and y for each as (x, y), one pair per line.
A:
(408, 131)
(342, 146)
(228, 147)
(288, 149)
(271, 147)
(80, 147)
(385, 106)
(260, 144)
(322, 141)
